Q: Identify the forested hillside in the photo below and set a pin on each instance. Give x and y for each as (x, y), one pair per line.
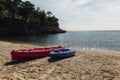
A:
(22, 18)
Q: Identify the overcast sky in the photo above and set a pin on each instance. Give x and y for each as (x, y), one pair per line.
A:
(84, 14)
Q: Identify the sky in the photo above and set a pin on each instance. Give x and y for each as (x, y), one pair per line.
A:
(77, 15)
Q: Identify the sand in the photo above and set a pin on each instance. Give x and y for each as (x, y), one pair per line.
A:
(85, 65)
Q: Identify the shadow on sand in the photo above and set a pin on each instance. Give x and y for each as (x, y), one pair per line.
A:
(26, 60)
(20, 61)
(51, 60)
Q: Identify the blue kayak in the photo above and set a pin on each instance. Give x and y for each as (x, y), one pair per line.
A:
(62, 53)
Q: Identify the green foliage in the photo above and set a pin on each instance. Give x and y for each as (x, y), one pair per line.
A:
(22, 16)
(26, 10)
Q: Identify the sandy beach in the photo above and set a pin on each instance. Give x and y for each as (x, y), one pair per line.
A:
(85, 65)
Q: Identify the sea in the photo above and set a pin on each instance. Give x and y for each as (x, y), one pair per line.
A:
(100, 40)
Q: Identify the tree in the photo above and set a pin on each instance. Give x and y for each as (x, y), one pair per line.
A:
(42, 17)
(4, 7)
(26, 10)
(49, 13)
(14, 5)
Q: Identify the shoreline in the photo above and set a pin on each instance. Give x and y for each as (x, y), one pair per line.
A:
(85, 65)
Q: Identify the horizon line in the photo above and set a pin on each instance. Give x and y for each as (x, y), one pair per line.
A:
(93, 30)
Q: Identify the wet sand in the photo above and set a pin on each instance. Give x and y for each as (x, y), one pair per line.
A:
(85, 65)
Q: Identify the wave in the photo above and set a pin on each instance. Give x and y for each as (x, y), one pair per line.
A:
(97, 50)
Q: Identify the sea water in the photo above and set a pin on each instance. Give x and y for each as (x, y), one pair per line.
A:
(108, 40)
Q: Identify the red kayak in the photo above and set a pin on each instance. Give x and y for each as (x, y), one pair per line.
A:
(33, 53)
